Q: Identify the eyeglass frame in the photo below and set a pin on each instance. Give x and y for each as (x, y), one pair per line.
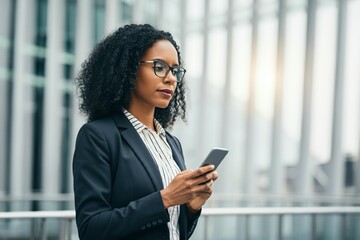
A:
(167, 72)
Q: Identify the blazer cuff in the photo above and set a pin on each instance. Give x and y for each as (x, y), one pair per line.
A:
(193, 215)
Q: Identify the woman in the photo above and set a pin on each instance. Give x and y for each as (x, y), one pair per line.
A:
(130, 180)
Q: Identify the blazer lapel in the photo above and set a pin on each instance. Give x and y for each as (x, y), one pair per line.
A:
(132, 137)
(176, 152)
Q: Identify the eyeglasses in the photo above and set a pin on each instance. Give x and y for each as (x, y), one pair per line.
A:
(162, 69)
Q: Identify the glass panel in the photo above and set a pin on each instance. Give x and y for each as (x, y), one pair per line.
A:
(193, 56)
(172, 15)
(323, 83)
(218, 7)
(38, 96)
(264, 91)
(351, 113)
(195, 10)
(193, 62)
(215, 87)
(217, 58)
(99, 20)
(267, 1)
(5, 96)
(65, 144)
(151, 11)
(241, 62)
(126, 11)
(239, 5)
(295, 41)
(296, 4)
(41, 23)
(70, 19)
(266, 66)
(68, 74)
(268, 8)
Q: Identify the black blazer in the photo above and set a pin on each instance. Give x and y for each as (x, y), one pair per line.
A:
(117, 184)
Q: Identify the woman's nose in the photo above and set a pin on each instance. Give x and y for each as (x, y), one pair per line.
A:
(170, 78)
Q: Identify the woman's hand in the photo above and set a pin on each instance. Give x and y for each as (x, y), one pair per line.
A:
(193, 187)
(201, 198)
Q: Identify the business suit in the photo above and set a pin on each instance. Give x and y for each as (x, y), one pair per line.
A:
(117, 184)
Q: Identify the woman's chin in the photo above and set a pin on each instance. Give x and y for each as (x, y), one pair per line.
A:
(163, 104)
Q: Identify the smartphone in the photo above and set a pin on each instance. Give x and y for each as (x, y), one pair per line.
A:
(215, 157)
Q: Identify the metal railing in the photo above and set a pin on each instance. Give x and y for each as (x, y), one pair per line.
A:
(280, 212)
(67, 217)
(342, 200)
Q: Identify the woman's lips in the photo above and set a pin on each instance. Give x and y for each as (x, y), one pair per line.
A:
(166, 92)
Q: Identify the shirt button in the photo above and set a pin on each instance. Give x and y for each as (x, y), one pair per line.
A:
(148, 225)
(143, 227)
(160, 221)
(154, 223)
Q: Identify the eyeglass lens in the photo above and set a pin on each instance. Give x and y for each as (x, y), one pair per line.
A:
(162, 69)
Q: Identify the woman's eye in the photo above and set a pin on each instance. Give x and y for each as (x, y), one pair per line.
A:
(158, 68)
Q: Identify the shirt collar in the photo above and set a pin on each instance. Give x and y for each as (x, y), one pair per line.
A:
(139, 126)
(159, 129)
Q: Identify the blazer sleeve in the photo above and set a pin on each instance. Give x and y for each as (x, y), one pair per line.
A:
(191, 219)
(95, 217)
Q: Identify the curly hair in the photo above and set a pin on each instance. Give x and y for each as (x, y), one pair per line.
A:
(107, 78)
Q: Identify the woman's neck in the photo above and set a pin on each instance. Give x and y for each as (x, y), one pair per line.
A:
(144, 115)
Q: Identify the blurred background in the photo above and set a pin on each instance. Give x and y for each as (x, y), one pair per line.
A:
(277, 82)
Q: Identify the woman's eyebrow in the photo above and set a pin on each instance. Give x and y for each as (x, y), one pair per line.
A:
(162, 60)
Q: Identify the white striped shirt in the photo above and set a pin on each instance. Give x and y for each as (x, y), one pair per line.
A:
(161, 152)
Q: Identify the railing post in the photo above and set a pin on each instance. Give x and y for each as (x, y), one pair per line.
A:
(63, 229)
(313, 226)
(247, 227)
(33, 225)
(42, 229)
(280, 226)
(69, 228)
(206, 228)
(343, 225)
(238, 228)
